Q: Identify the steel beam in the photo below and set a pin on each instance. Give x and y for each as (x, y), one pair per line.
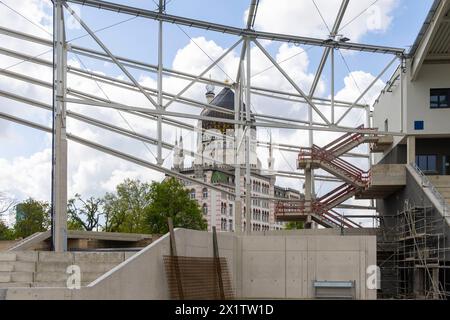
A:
(120, 106)
(367, 89)
(212, 65)
(292, 82)
(148, 112)
(234, 30)
(327, 50)
(252, 13)
(109, 53)
(150, 68)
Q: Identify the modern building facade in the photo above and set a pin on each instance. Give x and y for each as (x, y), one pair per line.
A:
(414, 239)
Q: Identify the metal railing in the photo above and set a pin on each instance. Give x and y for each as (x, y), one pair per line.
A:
(426, 183)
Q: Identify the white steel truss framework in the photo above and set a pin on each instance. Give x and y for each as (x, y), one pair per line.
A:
(242, 86)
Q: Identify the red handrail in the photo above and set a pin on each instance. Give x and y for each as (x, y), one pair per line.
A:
(343, 136)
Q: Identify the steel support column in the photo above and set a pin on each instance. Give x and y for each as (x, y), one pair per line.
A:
(248, 186)
(237, 160)
(332, 86)
(59, 154)
(159, 158)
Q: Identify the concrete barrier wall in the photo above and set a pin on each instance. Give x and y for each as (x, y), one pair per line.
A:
(275, 266)
(6, 244)
(286, 266)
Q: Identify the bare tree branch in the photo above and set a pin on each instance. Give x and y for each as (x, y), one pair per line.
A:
(6, 203)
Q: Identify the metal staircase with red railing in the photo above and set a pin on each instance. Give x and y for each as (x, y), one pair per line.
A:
(327, 158)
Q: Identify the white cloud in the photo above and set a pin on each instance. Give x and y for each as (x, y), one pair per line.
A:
(355, 83)
(302, 18)
(27, 177)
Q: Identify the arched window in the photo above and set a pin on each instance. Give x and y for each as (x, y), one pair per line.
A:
(205, 193)
(192, 194)
(223, 223)
(205, 209)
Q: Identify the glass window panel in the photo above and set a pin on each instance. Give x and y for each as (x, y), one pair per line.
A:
(432, 163)
(434, 101)
(443, 101)
(422, 163)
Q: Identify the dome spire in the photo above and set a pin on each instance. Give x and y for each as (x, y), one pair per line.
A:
(210, 91)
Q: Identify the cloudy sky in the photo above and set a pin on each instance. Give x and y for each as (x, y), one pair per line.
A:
(25, 153)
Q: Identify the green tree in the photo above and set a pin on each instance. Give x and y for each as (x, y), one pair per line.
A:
(84, 214)
(124, 209)
(5, 232)
(170, 199)
(295, 225)
(31, 216)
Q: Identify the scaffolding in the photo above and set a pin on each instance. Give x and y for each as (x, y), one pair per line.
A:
(412, 255)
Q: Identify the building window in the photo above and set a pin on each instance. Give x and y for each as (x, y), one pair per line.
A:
(427, 163)
(231, 209)
(223, 224)
(205, 209)
(439, 98)
(386, 125)
(223, 208)
(205, 193)
(192, 194)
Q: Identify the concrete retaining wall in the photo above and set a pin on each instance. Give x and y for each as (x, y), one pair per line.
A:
(275, 266)
(6, 244)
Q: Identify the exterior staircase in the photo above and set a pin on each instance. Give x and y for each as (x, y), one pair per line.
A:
(328, 159)
(49, 269)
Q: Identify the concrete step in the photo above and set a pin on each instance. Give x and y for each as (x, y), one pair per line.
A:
(27, 256)
(443, 181)
(15, 285)
(99, 257)
(61, 267)
(47, 256)
(7, 256)
(16, 276)
(62, 276)
(17, 266)
(59, 284)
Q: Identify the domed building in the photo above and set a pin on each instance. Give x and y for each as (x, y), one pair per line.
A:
(214, 163)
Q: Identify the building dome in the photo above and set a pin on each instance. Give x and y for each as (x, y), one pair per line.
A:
(224, 99)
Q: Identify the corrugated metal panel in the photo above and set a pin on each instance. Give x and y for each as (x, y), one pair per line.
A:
(441, 42)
